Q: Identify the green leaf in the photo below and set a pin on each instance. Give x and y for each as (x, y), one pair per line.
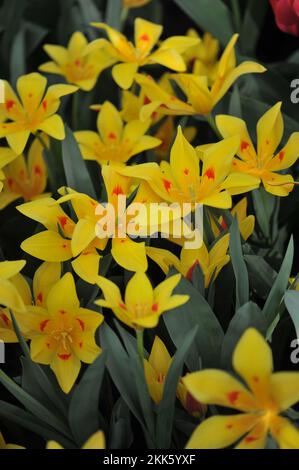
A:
(121, 436)
(291, 300)
(249, 315)
(83, 410)
(166, 409)
(261, 275)
(273, 302)
(26, 420)
(216, 19)
(235, 107)
(18, 56)
(32, 405)
(76, 173)
(252, 25)
(196, 312)
(113, 14)
(239, 266)
(264, 205)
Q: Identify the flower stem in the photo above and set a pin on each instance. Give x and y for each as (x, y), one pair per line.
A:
(140, 348)
(211, 121)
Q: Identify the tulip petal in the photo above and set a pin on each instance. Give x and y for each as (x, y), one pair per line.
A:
(109, 124)
(286, 434)
(86, 266)
(83, 235)
(48, 246)
(270, 131)
(124, 74)
(285, 389)
(63, 296)
(96, 441)
(66, 370)
(146, 35)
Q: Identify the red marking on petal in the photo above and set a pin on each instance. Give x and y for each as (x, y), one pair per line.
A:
(244, 145)
(160, 378)
(45, 104)
(118, 190)
(5, 318)
(111, 136)
(146, 100)
(144, 37)
(233, 396)
(10, 182)
(64, 357)
(193, 406)
(190, 270)
(62, 221)
(63, 312)
(64, 245)
(229, 426)
(249, 439)
(267, 141)
(48, 345)
(223, 224)
(155, 307)
(81, 323)
(9, 104)
(167, 184)
(210, 173)
(78, 63)
(255, 378)
(281, 155)
(80, 344)
(38, 170)
(186, 171)
(122, 305)
(39, 297)
(43, 325)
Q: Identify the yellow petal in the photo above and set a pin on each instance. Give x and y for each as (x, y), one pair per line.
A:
(238, 183)
(96, 441)
(279, 185)
(77, 44)
(111, 292)
(230, 126)
(9, 296)
(256, 439)
(184, 162)
(164, 258)
(66, 371)
(83, 235)
(288, 155)
(9, 269)
(252, 359)
(18, 140)
(48, 246)
(53, 126)
(87, 265)
(124, 74)
(155, 383)
(37, 167)
(169, 58)
(23, 288)
(270, 131)
(180, 43)
(63, 295)
(53, 445)
(109, 124)
(213, 386)
(159, 357)
(50, 67)
(42, 348)
(129, 254)
(31, 89)
(146, 35)
(285, 389)
(221, 431)
(58, 53)
(163, 294)
(45, 276)
(138, 291)
(286, 434)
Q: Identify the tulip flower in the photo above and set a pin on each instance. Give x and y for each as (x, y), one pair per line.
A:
(4, 445)
(34, 111)
(287, 15)
(115, 142)
(266, 162)
(203, 58)
(9, 295)
(262, 400)
(131, 57)
(62, 333)
(182, 180)
(79, 68)
(44, 278)
(6, 157)
(95, 442)
(142, 305)
(201, 98)
(245, 222)
(25, 179)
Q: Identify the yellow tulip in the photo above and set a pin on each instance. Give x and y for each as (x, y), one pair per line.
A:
(115, 142)
(9, 295)
(4, 445)
(25, 179)
(262, 401)
(245, 222)
(201, 98)
(62, 333)
(183, 181)
(131, 57)
(95, 442)
(143, 305)
(72, 62)
(203, 58)
(266, 162)
(6, 157)
(34, 111)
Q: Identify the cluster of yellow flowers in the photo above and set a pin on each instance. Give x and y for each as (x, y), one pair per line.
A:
(60, 331)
